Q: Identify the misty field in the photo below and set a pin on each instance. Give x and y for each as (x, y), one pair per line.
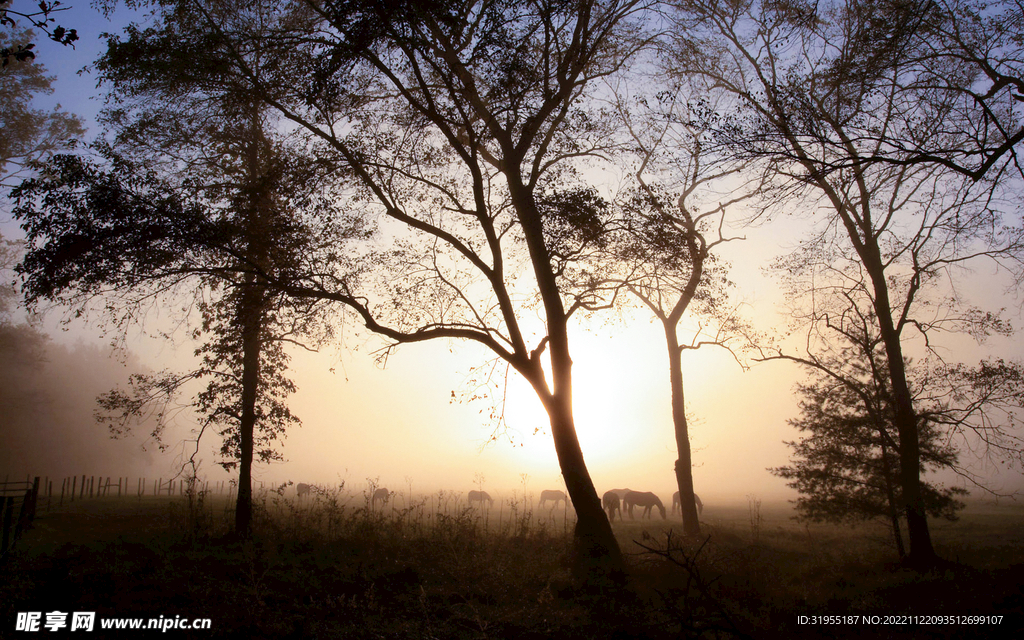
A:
(332, 565)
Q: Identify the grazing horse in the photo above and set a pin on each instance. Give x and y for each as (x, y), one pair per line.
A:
(676, 505)
(302, 489)
(610, 501)
(481, 497)
(645, 499)
(552, 495)
(381, 494)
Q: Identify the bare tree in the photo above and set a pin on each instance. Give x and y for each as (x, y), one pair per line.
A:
(674, 222)
(902, 226)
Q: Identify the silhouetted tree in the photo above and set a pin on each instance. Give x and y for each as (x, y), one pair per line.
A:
(464, 126)
(899, 225)
(673, 224)
(210, 195)
(846, 465)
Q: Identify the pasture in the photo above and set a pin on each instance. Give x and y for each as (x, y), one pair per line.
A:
(334, 565)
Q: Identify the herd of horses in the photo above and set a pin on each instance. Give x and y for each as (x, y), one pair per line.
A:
(613, 501)
(616, 500)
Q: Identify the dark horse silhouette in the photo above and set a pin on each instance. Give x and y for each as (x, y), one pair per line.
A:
(381, 494)
(645, 499)
(481, 497)
(552, 495)
(676, 506)
(610, 501)
(302, 489)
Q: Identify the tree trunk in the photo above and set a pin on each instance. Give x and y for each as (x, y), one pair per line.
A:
(922, 553)
(684, 464)
(597, 553)
(250, 311)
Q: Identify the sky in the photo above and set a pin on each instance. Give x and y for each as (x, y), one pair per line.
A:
(411, 423)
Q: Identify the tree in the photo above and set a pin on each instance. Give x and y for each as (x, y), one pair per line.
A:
(903, 226)
(667, 247)
(224, 215)
(28, 134)
(465, 128)
(846, 466)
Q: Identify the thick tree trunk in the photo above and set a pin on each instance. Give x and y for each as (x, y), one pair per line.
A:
(684, 464)
(597, 553)
(250, 311)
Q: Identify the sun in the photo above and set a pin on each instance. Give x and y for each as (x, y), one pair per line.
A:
(618, 408)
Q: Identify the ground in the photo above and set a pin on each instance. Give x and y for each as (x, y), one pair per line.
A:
(331, 566)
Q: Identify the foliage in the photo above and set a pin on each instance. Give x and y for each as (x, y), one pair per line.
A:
(28, 134)
(846, 464)
(41, 20)
(124, 235)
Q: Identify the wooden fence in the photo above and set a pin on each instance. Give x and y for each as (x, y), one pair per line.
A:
(24, 496)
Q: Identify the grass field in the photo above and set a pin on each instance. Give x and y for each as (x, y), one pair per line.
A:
(331, 566)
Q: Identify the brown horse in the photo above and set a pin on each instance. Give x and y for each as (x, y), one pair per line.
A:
(481, 497)
(645, 499)
(610, 501)
(677, 506)
(381, 494)
(302, 489)
(553, 495)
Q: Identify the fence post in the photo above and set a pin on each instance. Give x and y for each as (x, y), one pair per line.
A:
(7, 504)
(28, 510)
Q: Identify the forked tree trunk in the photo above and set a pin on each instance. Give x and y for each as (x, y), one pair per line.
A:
(922, 553)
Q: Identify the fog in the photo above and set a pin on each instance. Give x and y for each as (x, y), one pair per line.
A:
(414, 423)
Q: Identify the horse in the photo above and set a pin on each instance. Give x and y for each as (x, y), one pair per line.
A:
(645, 499)
(551, 494)
(303, 489)
(610, 501)
(481, 497)
(676, 504)
(381, 494)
